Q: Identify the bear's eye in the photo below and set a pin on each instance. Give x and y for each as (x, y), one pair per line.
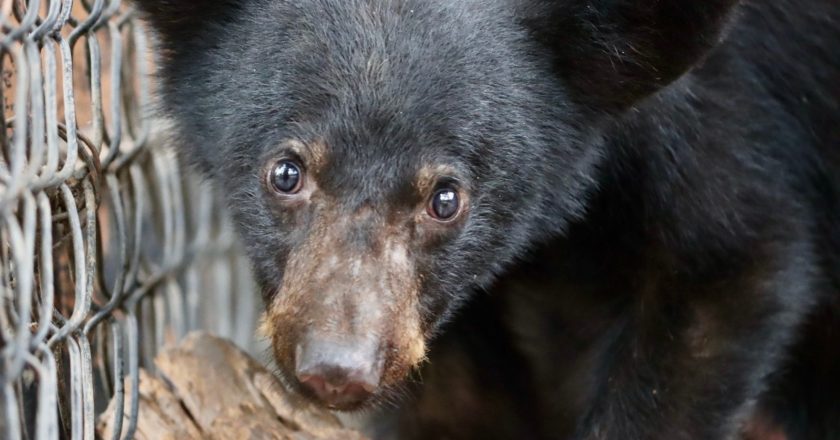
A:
(286, 177)
(445, 204)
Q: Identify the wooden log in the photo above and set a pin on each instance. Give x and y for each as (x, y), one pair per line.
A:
(161, 415)
(208, 388)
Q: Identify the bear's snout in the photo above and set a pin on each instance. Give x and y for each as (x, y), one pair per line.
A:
(339, 373)
(345, 322)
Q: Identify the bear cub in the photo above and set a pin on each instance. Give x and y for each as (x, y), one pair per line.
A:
(558, 219)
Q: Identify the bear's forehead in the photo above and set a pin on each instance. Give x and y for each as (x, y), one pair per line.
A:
(385, 86)
(375, 81)
(347, 44)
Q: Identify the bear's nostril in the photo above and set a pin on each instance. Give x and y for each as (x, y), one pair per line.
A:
(337, 388)
(340, 374)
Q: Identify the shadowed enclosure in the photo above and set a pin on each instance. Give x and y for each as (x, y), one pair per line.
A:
(108, 250)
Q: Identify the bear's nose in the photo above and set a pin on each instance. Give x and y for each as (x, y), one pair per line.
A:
(340, 375)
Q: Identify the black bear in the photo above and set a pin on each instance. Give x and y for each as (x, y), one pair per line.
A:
(568, 219)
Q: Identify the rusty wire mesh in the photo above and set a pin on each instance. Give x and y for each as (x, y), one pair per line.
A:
(108, 250)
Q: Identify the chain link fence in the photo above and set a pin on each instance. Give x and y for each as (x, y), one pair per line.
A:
(108, 251)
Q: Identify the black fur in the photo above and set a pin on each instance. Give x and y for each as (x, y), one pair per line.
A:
(654, 232)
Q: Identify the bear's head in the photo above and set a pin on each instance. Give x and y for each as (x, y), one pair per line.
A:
(383, 159)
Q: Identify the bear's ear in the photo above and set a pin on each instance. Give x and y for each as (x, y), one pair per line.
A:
(615, 52)
(182, 22)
